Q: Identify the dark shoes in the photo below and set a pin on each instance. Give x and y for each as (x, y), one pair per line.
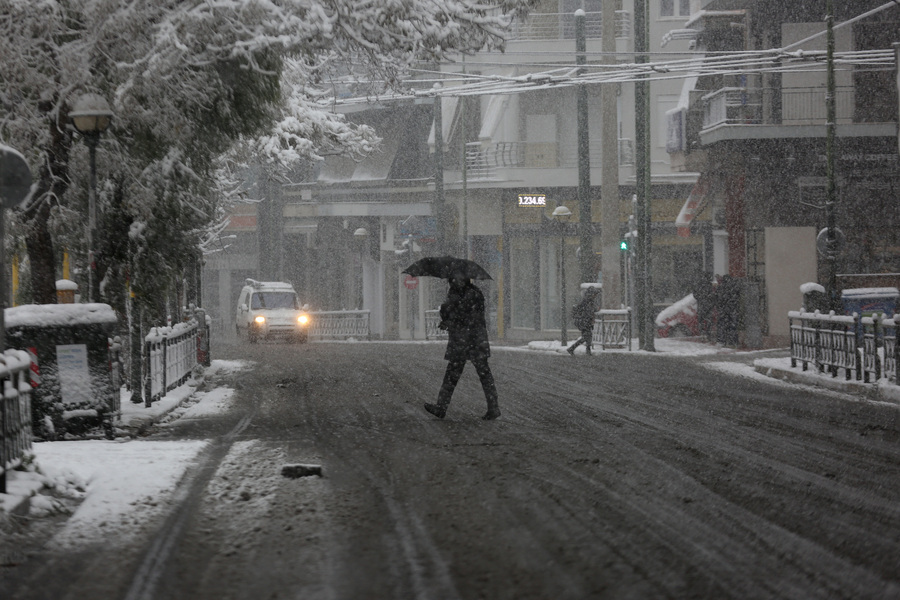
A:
(438, 411)
(491, 414)
(571, 350)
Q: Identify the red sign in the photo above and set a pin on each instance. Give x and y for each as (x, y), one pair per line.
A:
(411, 282)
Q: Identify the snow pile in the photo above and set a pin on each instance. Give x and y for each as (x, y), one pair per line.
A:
(686, 304)
(43, 315)
(125, 485)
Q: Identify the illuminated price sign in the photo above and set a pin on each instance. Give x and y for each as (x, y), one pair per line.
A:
(532, 199)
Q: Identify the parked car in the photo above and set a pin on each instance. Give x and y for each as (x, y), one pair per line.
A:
(271, 309)
(679, 319)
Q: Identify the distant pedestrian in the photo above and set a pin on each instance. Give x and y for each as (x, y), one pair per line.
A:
(705, 295)
(462, 315)
(583, 318)
(728, 309)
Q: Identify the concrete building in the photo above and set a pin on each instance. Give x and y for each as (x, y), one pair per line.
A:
(499, 150)
(759, 142)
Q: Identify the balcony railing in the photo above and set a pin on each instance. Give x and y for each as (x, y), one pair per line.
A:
(768, 106)
(561, 26)
(483, 161)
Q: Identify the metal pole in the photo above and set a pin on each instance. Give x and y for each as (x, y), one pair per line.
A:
(586, 237)
(91, 139)
(831, 117)
(465, 166)
(642, 155)
(609, 171)
(562, 278)
(438, 208)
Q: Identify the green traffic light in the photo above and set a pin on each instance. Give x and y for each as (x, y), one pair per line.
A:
(623, 245)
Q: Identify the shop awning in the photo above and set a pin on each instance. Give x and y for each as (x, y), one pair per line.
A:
(448, 116)
(493, 114)
(694, 205)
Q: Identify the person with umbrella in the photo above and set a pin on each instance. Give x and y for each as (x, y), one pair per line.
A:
(462, 316)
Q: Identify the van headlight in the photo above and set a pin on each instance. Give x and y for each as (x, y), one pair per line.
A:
(303, 319)
(260, 320)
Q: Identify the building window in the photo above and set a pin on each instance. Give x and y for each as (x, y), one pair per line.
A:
(675, 8)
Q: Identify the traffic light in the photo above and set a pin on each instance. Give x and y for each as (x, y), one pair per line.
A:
(623, 245)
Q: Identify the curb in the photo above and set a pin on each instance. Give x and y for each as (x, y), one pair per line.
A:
(871, 391)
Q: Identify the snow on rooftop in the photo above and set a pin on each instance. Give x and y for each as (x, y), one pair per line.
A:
(35, 315)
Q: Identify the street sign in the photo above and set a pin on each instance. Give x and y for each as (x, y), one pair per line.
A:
(411, 282)
(15, 177)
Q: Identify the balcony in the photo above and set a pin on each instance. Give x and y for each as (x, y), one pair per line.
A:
(561, 26)
(482, 162)
(756, 113)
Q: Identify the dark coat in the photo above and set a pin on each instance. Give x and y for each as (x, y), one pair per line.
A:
(583, 313)
(462, 313)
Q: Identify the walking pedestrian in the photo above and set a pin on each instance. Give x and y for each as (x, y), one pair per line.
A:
(462, 315)
(728, 296)
(705, 295)
(583, 317)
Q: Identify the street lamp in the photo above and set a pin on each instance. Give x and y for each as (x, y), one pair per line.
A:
(91, 116)
(361, 234)
(560, 213)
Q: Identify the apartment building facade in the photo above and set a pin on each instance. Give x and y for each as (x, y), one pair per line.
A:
(347, 230)
(759, 142)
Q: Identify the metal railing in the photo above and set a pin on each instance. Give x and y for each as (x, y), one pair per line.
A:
(170, 356)
(432, 331)
(879, 335)
(483, 161)
(561, 26)
(15, 411)
(732, 105)
(826, 341)
(787, 106)
(612, 328)
(339, 324)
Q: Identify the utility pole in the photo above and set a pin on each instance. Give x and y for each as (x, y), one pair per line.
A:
(609, 169)
(438, 210)
(830, 117)
(642, 158)
(585, 230)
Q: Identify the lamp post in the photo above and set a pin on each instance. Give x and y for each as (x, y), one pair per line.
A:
(560, 213)
(91, 116)
(361, 234)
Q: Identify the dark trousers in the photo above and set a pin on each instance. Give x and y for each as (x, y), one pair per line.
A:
(587, 337)
(454, 372)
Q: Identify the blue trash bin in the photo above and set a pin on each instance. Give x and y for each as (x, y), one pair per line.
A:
(868, 301)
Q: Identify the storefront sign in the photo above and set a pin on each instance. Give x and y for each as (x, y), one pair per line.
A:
(532, 199)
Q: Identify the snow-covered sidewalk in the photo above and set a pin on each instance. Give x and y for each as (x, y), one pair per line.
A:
(115, 475)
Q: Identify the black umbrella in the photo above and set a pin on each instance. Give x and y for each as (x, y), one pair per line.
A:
(445, 266)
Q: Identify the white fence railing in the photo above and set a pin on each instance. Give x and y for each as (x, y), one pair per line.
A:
(612, 328)
(170, 357)
(432, 331)
(15, 411)
(561, 26)
(339, 324)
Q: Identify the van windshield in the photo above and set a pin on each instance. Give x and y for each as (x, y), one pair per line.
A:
(274, 300)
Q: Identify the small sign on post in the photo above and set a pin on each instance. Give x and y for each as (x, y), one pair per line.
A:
(411, 282)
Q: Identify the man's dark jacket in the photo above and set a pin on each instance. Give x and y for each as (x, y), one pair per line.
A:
(463, 314)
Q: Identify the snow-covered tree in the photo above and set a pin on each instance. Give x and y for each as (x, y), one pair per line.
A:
(187, 81)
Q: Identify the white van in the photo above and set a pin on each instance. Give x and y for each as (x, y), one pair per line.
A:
(270, 309)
